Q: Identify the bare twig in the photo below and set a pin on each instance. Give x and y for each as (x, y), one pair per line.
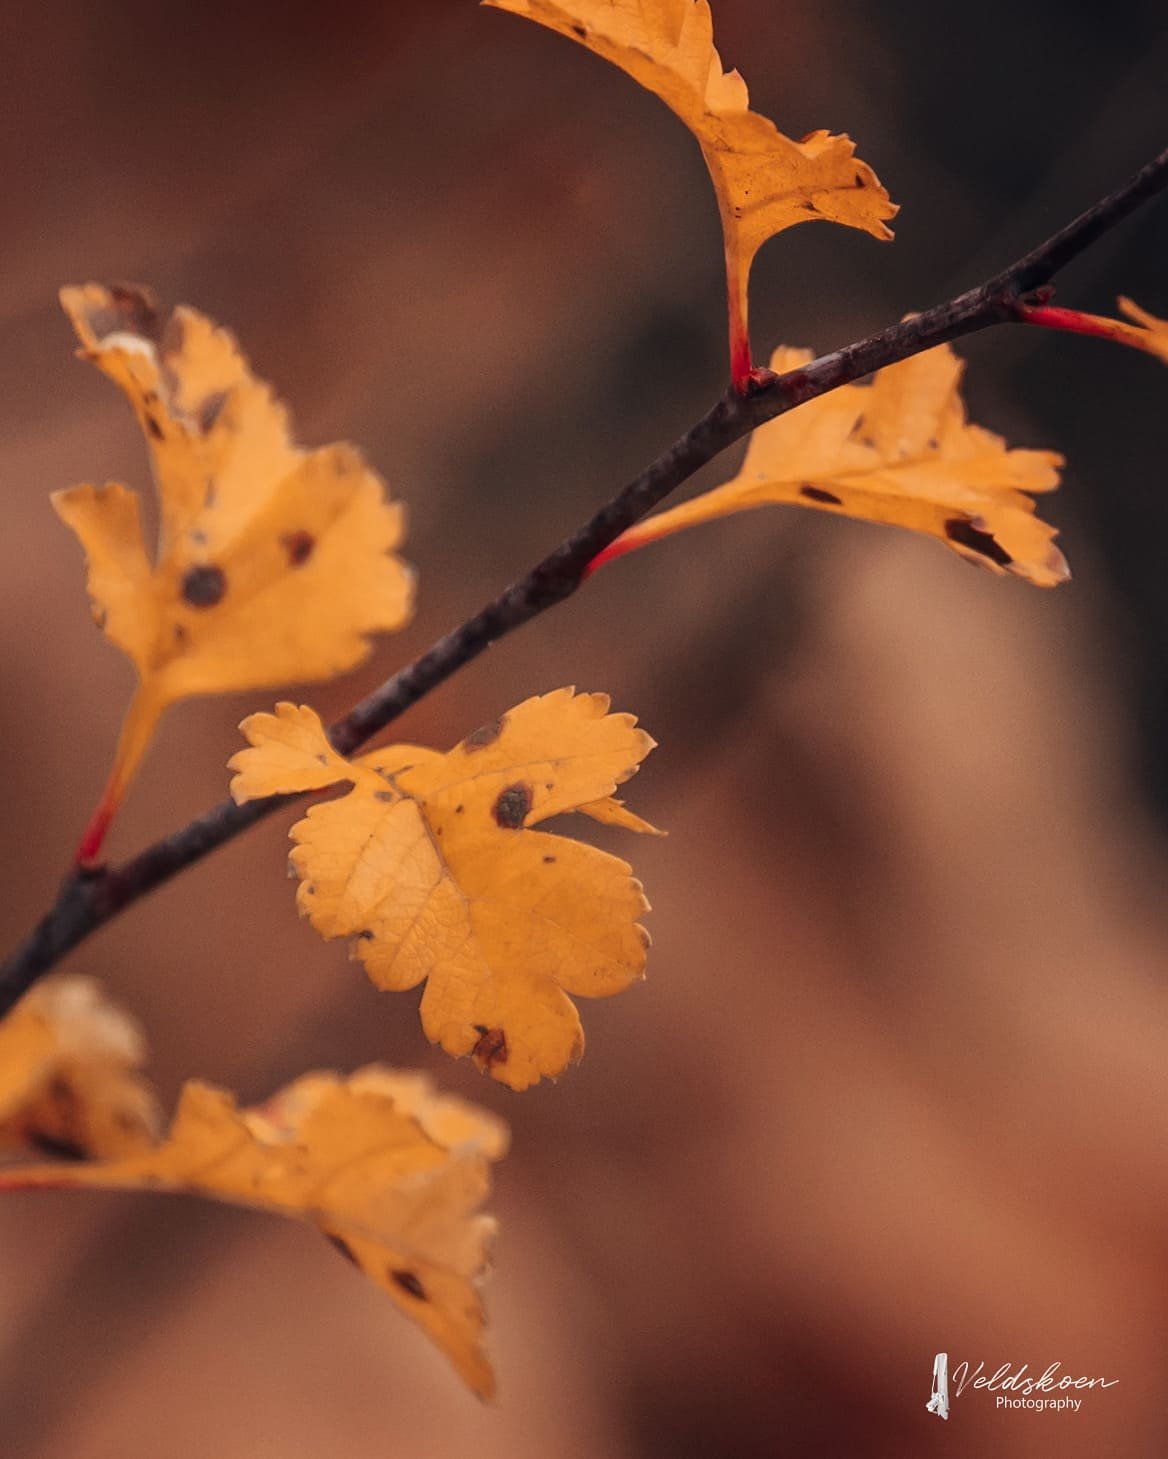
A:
(90, 898)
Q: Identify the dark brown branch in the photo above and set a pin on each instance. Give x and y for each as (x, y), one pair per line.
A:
(89, 899)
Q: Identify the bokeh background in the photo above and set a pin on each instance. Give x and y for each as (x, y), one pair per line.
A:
(897, 1081)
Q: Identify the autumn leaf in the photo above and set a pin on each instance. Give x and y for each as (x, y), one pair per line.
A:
(430, 865)
(1150, 333)
(274, 564)
(1147, 333)
(69, 1080)
(391, 1173)
(898, 451)
(764, 181)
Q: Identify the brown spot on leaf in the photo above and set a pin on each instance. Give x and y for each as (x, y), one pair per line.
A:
(819, 494)
(966, 533)
(490, 1047)
(209, 411)
(365, 935)
(511, 808)
(458, 809)
(579, 32)
(485, 735)
(299, 547)
(204, 586)
(154, 428)
(547, 861)
(339, 1244)
(180, 633)
(409, 1282)
(56, 1147)
(386, 795)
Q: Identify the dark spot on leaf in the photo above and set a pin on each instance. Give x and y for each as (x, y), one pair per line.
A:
(547, 861)
(209, 411)
(204, 586)
(512, 806)
(408, 1282)
(99, 616)
(859, 182)
(56, 1147)
(339, 1244)
(579, 32)
(365, 935)
(385, 795)
(965, 532)
(322, 759)
(934, 444)
(154, 428)
(818, 494)
(298, 546)
(490, 1046)
(485, 735)
(809, 207)
(180, 633)
(458, 809)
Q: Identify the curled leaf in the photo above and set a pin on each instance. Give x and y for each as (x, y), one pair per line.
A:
(898, 451)
(69, 1080)
(274, 564)
(391, 1173)
(431, 866)
(765, 182)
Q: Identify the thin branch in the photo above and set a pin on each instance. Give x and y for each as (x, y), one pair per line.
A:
(90, 898)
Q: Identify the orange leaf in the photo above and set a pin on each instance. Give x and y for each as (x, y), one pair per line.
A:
(274, 564)
(898, 451)
(430, 865)
(69, 1081)
(1151, 333)
(391, 1173)
(764, 181)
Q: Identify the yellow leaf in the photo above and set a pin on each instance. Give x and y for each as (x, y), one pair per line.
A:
(1152, 333)
(392, 1174)
(274, 564)
(69, 1081)
(764, 181)
(430, 866)
(898, 451)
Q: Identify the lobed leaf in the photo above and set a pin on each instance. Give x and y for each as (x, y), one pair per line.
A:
(764, 181)
(898, 451)
(393, 1174)
(431, 865)
(274, 564)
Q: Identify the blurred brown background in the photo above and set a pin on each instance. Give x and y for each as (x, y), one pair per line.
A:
(897, 1081)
